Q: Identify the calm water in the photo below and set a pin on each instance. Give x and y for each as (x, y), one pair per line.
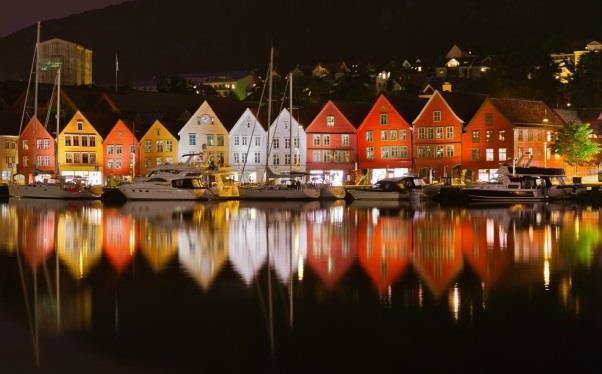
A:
(303, 287)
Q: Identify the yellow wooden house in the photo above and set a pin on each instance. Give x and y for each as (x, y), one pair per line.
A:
(80, 150)
(158, 146)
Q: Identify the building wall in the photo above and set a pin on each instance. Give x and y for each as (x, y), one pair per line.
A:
(32, 154)
(279, 133)
(537, 141)
(243, 142)
(427, 123)
(81, 149)
(319, 130)
(75, 62)
(480, 123)
(153, 155)
(120, 149)
(8, 157)
(205, 134)
(371, 123)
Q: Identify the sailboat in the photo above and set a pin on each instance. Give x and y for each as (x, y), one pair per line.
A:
(58, 187)
(291, 187)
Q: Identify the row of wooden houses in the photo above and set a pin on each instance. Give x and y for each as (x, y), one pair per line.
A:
(442, 134)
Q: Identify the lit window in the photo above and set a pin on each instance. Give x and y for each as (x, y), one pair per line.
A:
(368, 136)
(450, 132)
(489, 154)
(169, 145)
(421, 133)
(330, 120)
(502, 135)
(148, 146)
(436, 116)
(502, 154)
(67, 141)
(449, 150)
(370, 153)
(475, 136)
(345, 139)
(430, 133)
(439, 152)
(393, 135)
(383, 134)
(210, 140)
(439, 133)
(488, 135)
(403, 135)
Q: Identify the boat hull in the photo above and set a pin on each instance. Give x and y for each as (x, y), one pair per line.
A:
(506, 196)
(49, 191)
(359, 194)
(332, 193)
(161, 193)
(269, 193)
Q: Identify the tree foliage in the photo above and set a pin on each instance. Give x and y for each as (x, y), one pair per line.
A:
(575, 144)
(586, 88)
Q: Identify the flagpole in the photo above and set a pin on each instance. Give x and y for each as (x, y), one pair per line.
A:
(116, 70)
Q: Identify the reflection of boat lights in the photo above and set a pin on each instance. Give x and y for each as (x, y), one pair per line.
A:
(420, 296)
(330, 265)
(375, 215)
(577, 227)
(490, 232)
(336, 214)
(546, 274)
(454, 302)
(300, 269)
(132, 238)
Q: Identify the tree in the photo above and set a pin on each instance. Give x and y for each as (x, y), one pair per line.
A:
(575, 144)
(586, 88)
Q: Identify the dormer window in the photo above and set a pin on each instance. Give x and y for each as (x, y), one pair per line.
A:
(436, 116)
(384, 118)
(330, 120)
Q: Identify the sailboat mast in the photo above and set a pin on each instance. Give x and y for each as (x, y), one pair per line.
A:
(58, 121)
(37, 79)
(270, 73)
(290, 114)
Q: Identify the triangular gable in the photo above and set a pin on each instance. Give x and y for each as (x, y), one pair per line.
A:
(255, 121)
(428, 103)
(330, 104)
(377, 105)
(106, 100)
(34, 121)
(84, 118)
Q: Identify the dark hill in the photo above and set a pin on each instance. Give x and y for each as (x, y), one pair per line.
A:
(162, 36)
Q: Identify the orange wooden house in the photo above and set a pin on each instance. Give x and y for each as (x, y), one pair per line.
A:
(36, 151)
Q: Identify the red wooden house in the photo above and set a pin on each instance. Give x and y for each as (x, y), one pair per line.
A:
(506, 129)
(332, 141)
(438, 133)
(36, 151)
(120, 148)
(385, 138)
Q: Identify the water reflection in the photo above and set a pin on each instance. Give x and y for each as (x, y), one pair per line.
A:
(422, 256)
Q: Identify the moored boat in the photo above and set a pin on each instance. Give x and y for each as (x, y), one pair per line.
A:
(400, 188)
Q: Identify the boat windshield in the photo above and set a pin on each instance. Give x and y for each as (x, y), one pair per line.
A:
(162, 171)
(188, 183)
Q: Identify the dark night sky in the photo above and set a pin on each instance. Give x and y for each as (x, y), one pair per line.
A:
(22, 13)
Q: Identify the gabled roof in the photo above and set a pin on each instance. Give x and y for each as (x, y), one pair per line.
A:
(408, 106)
(219, 76)
(10, 123)
(464, 105)
(173, 127)
(522, 112)
(593, 117)
(568, 115)
(103, 123)
(151, 102)
(354, 112)
(227, 111)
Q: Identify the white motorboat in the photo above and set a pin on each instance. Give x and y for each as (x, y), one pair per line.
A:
(400, 188)
(164, 188)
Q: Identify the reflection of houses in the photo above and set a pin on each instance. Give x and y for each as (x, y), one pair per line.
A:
(287, 244)
(120, 238)
(248, 242)
(331, 248)
(158, 244)
(437, 253)
(9, 228)
(36, 228)
(79, 238)
(384, 247)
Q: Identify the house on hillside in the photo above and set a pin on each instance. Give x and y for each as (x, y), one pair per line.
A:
(233, 84)
(462, 64)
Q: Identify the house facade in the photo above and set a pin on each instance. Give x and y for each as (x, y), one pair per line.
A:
(120, 148)
(247, 151)
(80, 150)
(288, 144)
(9, 138)
(385, 141)
(206, 131)
(504, 130)
(438, 139)
(158, 146)
(332, 142)
(36, 152)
